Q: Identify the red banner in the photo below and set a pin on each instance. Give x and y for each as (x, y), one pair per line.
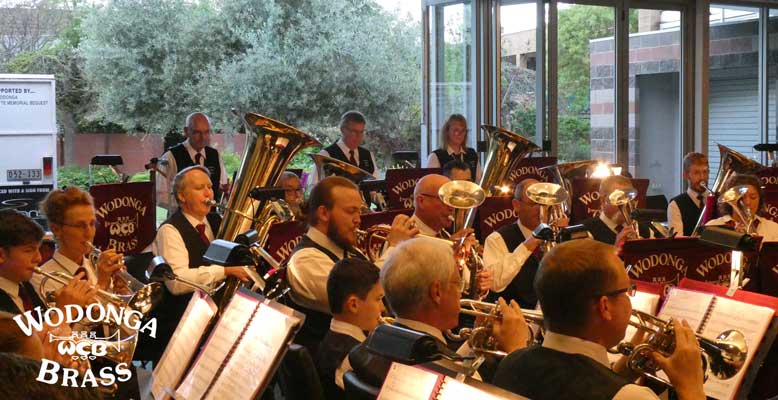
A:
(770, 205)
(126, 216)
(529, 168)
(667, 261)
(400, 184)
(769, 177)
(493, 214)
(282, 237)
(586, 197)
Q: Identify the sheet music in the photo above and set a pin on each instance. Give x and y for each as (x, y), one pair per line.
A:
(252, 361)
(686, 304)
(405, 382)
(452, 389)
(218, 346)
(642, 301)
(750, 320)
(182, 346)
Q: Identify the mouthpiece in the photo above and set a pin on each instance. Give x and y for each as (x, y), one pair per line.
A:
(210, 202)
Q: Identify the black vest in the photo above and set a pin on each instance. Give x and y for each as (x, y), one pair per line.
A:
(521, 287)
(172, 307)
(470, 158)
(540, 373)
(690, 213)
(211, 162)
(332, 351)
(363, 157)
(602, 233)
(7, 304)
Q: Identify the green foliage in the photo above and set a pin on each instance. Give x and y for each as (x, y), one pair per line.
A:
(74, 175)
(140, 177)
(231, 162)
(574, 131)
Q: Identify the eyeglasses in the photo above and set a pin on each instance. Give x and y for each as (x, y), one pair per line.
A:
(290, 191)
(630, 291)
(196, 132)
(82, 225)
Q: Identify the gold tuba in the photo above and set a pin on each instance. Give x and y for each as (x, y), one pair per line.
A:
(564, 173)
(506, 149)
(269, 148)
(731, 163)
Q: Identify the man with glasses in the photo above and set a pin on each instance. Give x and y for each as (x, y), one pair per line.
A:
(348, 148)
(195, 150)
(584, 292)
(293, 192)
(513, 254)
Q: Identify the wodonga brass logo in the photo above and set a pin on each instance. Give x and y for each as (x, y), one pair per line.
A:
(85, 345)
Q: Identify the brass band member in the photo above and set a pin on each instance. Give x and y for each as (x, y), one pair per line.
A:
(513, 254)
(356, 301)
(453, 139)
(195, 150)
(684, 210)
(182, 240)
(72, 219)
(293, 192)
(423, 289)
(349, 147)
(431, 216)
(753, 200)
(457, 170)
(20, 239)
(333, 217)
(609, 226)
(584, 292)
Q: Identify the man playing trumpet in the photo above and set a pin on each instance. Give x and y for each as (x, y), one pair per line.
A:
(610, 225)
(584, 292)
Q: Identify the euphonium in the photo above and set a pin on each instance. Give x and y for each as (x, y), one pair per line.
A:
(564, 173)
(269, 148)
(625, 200)
(724, 356)
(553, 207)
(731, 163)
(328, 166)
(734, 197)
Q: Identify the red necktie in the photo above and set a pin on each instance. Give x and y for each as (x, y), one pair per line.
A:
(26, 300)
(619, 229)
(199, 159)
(352, 159)
(203, 237)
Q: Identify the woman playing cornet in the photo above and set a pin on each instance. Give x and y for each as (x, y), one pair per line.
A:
(750, 202)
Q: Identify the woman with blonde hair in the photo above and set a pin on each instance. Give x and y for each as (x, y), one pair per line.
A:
(453, 141)
(71, 216)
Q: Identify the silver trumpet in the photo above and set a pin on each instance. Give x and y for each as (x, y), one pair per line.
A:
(127, 279)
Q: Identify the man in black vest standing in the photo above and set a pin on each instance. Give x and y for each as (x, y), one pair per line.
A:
(609, 226)
(513, 254)
(348, 148)
(182, 240)
(684, 210)
(333, 218)
(195, 150)
(584, 292)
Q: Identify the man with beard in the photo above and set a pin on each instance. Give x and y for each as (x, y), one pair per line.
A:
(333, 217)
(684, 210)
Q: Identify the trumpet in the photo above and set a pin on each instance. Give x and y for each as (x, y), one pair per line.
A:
(122, 275)
(480, 337)
(624, 199)
(723, 356)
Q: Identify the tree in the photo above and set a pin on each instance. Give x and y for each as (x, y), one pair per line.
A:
(28, 26)
(303, 62)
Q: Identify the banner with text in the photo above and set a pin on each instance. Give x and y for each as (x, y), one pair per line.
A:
(126, 216)
(400, 184)
(586, 197)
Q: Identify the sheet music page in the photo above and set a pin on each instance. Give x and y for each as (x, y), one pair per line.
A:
(405, 382)
(227, 330)
(182, 345)
(686, 304)
(453, 389)
(750, 320)
(643, 301)
(259, 349)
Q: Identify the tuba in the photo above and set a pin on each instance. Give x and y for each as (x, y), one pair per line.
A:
(269, 149)
(731, 163)
(506, 149)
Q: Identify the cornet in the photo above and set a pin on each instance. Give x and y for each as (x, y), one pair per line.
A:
(734, 197)
(724, 356)
(625, 200)
(122, 275)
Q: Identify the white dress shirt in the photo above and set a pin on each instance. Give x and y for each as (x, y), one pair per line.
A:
(612, 225)
(424, 229)
(308, 270)
(505, 264)
(60, 263)
(345, 150)
(767, 229)
(354, 331)
(170, 244)
(12, 290)
(674, 219)
(464, 349)
(595, 351)
(433, 162)
(167, 164)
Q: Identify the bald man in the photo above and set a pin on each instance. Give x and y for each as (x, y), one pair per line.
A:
(195, 150)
